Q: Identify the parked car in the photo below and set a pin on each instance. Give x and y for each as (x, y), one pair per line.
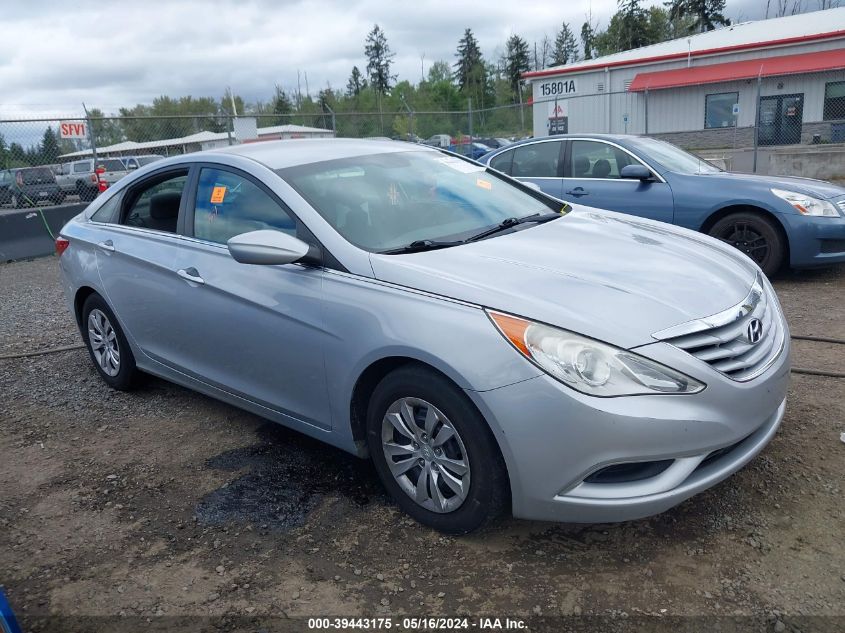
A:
(485, 346)
(470, 150)
(439, 140)
(775, 220)
(29, 186)
(78, 178)
(493, 143)
(136, 162)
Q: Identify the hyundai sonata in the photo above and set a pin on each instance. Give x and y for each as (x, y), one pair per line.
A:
(487, 347)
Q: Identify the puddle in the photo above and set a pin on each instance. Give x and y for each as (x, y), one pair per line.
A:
(285, 476)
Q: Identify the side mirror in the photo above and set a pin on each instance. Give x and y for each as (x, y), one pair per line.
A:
(636, 172)
(132, 166)
(266, 247)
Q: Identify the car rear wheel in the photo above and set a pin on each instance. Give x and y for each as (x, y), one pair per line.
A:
(756, 236)
(107, 345)
(434, 452)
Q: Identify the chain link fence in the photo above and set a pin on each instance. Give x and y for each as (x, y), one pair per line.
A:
(763, 125)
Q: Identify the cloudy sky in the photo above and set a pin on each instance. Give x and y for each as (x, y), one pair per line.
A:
(56, 54)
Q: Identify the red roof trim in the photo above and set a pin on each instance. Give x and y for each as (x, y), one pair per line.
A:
(739, 70)
(670, 56)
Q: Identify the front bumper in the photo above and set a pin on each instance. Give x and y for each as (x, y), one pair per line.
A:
(554, 438)
(814, 241)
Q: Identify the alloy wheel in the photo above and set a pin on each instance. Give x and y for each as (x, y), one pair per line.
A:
(425, 454)
(745, 237)
(103, 340)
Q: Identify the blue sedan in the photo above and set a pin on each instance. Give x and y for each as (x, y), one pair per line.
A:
(775, 220)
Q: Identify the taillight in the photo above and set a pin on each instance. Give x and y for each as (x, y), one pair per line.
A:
(61, 245)
(93, 177)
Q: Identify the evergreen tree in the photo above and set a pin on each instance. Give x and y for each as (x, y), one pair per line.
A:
(587, 40)
(356, 83)
(282, 104)
(706, 14)
(469, 61)
(379, 59)
(4, 153)
(517, 61)
(49, 147)
(566, 48)
(17, 155)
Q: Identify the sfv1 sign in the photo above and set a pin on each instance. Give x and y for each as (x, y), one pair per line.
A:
(73, 129)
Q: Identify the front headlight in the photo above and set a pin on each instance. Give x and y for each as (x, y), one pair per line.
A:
(589, 366)
(807, 205)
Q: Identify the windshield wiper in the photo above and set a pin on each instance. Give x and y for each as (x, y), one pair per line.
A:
(421, 245)
(508, 223)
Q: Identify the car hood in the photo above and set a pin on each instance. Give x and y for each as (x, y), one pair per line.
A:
(602, 274)
(807, 186)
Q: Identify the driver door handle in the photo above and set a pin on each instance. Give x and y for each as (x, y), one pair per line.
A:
(577, 192)
(108, 245)
(190, 274)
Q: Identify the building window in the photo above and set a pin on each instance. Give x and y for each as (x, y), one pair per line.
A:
(834, 100)
(718, 110)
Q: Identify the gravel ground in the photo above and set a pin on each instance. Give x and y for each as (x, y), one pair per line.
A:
(163, 509)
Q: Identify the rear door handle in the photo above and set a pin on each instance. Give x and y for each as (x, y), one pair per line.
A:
(577, 192)
(108, 245)
(190, 274)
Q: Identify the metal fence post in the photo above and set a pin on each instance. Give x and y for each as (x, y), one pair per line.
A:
(469, 115)
(757, 123)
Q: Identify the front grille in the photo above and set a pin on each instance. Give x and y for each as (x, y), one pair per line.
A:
(724, 340)
(832, 246)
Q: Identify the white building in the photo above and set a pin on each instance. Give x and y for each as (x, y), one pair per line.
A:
(707, 90)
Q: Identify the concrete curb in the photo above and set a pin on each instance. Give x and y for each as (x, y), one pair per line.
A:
(23, 234)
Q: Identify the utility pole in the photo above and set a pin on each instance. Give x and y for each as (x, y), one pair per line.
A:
(410, 115)
(334, 121)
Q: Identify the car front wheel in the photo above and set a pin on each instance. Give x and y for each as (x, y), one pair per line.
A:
(434, 452)
(754, 235)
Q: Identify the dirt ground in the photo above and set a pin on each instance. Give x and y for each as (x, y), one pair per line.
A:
(165, 509)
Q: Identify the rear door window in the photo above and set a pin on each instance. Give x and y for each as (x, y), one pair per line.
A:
(594, 159)
(154, 204)
(229, 204)
(537, 160)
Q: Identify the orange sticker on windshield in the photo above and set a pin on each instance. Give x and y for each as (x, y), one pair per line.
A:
(484, 184)
(217, 195)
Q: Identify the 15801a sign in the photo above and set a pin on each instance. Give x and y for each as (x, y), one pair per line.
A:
(73, 129)
(561, 87)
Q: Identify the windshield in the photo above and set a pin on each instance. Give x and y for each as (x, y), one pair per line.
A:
(37, 176)
(380, 202)
(673, 158)
(146, 160)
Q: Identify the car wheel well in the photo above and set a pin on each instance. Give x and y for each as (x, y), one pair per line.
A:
(79, 300)
(747, 208)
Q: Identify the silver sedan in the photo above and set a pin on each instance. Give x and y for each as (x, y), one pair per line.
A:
(490, 348)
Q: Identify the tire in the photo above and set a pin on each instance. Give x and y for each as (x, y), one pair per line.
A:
(756, 236)
(85, 193)
(465, 438)
(122, 374)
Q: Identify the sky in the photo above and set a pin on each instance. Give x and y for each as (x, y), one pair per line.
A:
(55, 55)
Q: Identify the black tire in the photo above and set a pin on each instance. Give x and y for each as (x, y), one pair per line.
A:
(128, 375)
(488, 495)
(756, 236)
(85, 193)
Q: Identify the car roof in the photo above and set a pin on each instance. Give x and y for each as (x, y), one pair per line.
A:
(288, 153)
